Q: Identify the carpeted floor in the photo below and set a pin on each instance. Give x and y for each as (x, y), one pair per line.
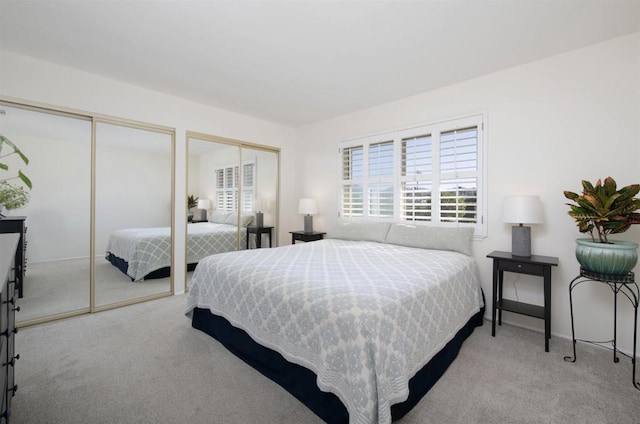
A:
(63, 286)
(145, 364)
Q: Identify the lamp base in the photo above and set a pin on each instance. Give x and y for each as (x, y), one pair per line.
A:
(259, 219)
(521, 241)
(308, 224)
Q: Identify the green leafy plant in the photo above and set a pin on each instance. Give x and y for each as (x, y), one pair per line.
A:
(5, 142)
(12, 196)
(604, 208)
(192, 201)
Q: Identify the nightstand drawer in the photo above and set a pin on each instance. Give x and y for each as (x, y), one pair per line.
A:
(521, 267)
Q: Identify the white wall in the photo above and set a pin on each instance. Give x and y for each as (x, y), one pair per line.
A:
(37, 81)
(193, 179)
(133, 190)
(58, 222)
(551, 123)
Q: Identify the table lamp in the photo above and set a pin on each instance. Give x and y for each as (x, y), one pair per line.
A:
(204, 204)
(521, 210)
(308, 207)
(258, 206)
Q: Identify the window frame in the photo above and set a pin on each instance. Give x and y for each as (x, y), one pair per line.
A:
(236, 193)
(435, 178)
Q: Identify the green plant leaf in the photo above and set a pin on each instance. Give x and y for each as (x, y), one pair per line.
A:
(610, 200)
(610, 186)
(587, 187)
(24, 179)
(571, 195)
(22, 156)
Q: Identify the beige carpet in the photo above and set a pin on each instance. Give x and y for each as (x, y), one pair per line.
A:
(63, 286)
(145, 364)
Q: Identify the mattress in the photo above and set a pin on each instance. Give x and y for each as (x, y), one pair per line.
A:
(364, 317)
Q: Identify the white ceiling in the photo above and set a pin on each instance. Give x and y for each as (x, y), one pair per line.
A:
(298, 62)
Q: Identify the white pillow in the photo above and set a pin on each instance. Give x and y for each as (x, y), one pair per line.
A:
(429, 237)
(218, 217)
(246, 220)
(367, 231)
(232, 219)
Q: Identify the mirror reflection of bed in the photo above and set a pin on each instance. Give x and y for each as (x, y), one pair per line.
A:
(232, 182)
(133, 197)
(133, 188)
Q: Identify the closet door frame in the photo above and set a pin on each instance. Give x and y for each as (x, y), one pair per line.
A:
(240, 144)
(96, 118)
(139, 126)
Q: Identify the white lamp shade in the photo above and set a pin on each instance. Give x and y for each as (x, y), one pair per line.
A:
(522, 210)
(258, 205)
(204, 203)
(308, 207)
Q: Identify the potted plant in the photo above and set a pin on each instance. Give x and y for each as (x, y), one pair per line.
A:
(12, 196)
(192, 202)
(604, 209)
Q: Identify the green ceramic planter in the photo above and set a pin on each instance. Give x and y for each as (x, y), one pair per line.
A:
(616, 257)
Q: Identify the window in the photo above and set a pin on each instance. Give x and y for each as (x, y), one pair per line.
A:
(227, 181)
(431, 174)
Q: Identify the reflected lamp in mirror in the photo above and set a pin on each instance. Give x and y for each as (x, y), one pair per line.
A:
(308, 207)
(521, 210)
(258, 206)
(203, 205)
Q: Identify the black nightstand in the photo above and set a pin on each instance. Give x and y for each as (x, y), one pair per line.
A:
(533, 265)
(306, 237)
(258, 231)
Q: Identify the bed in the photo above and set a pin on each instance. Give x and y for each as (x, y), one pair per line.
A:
(145, 253)
(358, 327)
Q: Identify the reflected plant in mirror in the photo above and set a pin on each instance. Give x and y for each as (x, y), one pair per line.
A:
(12, 196)
(192, 202)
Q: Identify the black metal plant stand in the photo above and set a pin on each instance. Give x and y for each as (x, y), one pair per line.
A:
(624, 284)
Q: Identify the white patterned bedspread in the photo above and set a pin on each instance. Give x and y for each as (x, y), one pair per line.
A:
(364, 316)
(149, 249)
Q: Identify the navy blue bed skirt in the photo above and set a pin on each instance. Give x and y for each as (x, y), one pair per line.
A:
(301, 382)
(123, 266)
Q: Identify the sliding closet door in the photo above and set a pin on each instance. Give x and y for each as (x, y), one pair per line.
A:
(212, 180)
(58, 214)
(260, 189)
(133, 236)
(233, 181)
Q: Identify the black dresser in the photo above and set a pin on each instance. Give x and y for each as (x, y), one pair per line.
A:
(16, 224)
(8, 253)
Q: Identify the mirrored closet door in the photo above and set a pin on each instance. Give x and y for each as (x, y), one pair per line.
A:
(133, 213)
(230, 183)
(57, 217)
(260, 193)
(98, 222)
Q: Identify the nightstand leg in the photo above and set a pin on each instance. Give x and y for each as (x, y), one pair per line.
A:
(494, 296)
(547, 307)
(500, 281)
